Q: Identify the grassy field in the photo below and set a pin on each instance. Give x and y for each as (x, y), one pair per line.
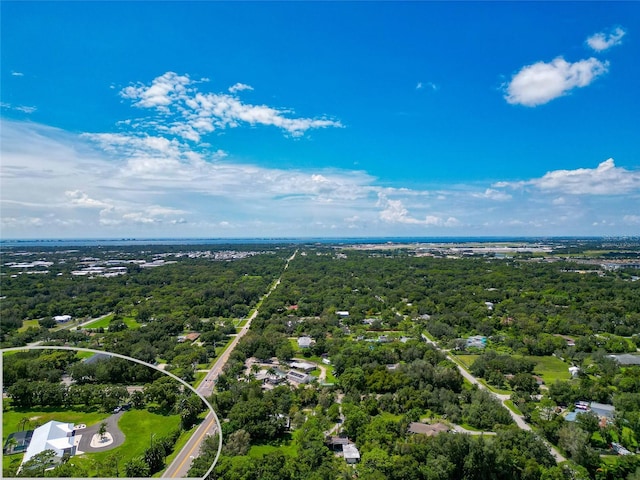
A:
(104, 322)
(467, 360)
(512, 406)
(466, 426)
(550, 369)
(38, 416)
(198, 378)
(260, 450)
(28, 323)
(139, 427)
(390, 416)
(11, 417)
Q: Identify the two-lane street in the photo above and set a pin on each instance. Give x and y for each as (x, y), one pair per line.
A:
(182, 462)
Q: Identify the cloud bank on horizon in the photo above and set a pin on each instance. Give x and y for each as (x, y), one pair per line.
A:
(185, 157)
(116, 183)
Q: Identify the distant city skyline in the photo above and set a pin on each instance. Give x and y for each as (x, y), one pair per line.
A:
(319, 119)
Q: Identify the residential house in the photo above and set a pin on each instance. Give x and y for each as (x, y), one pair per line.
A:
(426, 429)
(56, 436)
(626, 359)
(603, 410)
(336, 443)
(298, 377)
(304, 366)
(477, 341)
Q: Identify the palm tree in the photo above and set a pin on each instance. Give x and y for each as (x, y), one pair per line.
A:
(102, 430)
(11, 444)
(23, 422)
(114, 460)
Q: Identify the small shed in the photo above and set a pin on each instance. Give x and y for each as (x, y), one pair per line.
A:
(351, 453)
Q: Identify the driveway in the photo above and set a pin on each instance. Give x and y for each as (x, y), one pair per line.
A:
(112, 428)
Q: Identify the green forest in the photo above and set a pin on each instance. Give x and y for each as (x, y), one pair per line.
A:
(394, 330)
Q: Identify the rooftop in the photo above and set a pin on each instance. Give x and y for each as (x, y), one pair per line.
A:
(52, 435)
(426, 429)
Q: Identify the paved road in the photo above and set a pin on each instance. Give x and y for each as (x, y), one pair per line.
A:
(89, 432)
(460, 429)
(181, 464)
(519, 419)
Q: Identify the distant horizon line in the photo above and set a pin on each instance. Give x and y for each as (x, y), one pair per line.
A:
(375, 239)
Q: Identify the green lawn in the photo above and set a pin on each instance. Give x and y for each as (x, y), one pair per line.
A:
(284, 446)
(11, 417)
(294, 345)
(28, 323)
(138, 426)
(182, 440)
(199, 376)
(467, 360)
(469, 427)
(83, 355)
(550, 369)
(390, 416)
(512, 406)
(104, 322)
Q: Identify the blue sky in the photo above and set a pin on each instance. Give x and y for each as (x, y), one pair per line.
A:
(213, 119)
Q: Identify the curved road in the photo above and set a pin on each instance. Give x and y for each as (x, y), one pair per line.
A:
(112, 427)
(182, 462)
(519, 419)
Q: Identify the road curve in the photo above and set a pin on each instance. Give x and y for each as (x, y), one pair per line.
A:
(518, 419)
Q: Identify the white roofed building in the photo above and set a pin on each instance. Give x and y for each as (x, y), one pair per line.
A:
(56, 436)
(304, 366)
(351, 453)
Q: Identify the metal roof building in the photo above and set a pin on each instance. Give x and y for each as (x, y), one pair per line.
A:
(56, 436)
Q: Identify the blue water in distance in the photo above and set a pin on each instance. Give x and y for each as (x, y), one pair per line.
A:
(267, 240)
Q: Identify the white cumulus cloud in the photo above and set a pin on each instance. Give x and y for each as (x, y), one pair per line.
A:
(493, 194)
(189, 113)
(541, 82)
(603, 41)
(394, 211)
(163, 91)
(605, 179)
(238, 87)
